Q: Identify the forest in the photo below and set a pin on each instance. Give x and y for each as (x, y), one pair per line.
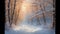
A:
(32, 12)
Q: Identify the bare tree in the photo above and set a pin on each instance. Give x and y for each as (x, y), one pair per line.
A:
(11, 12)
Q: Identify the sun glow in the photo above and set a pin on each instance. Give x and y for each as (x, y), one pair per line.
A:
(25, 9)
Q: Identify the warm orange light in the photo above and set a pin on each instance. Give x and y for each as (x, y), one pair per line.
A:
(25, 9)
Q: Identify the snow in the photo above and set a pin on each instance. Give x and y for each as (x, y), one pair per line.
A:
(29, 29)
(24, 32)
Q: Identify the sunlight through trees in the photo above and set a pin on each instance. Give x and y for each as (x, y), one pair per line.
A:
(18, 10)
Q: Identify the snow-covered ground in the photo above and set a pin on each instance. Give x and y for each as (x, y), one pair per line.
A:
(24, 32)
(30, 29)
